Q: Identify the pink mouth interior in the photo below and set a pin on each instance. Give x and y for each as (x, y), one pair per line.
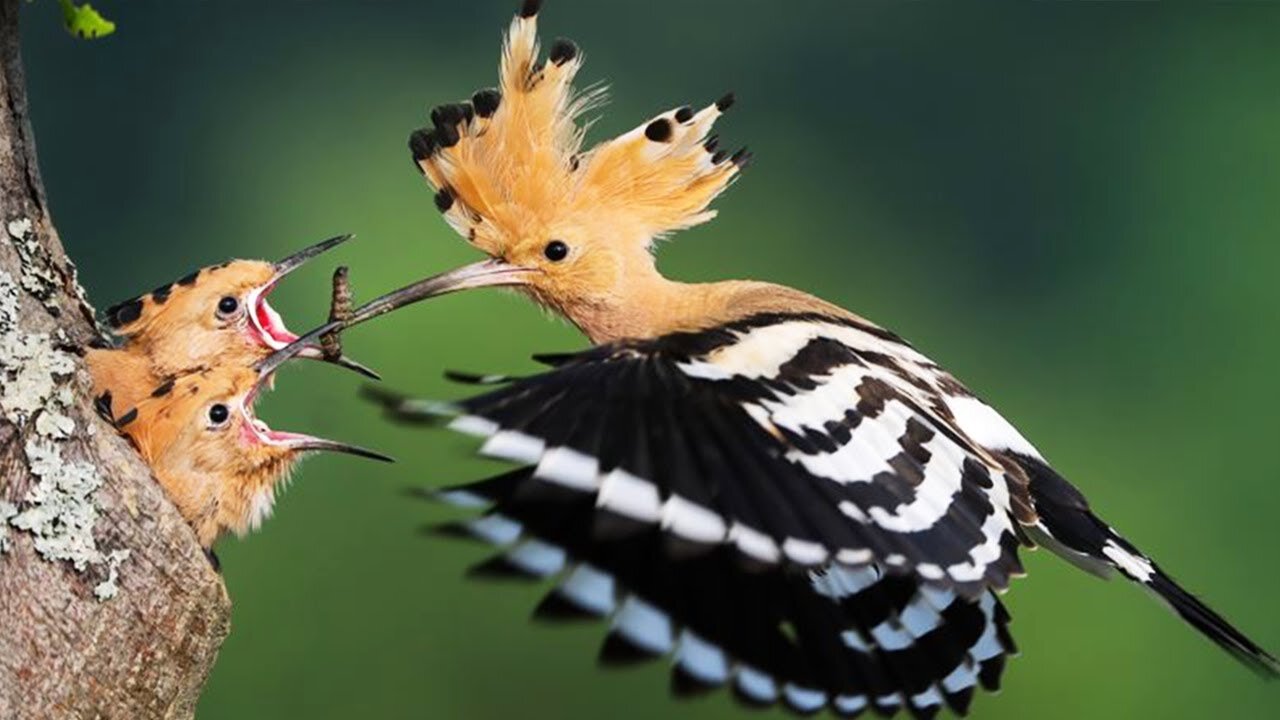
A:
(257, 430)
(271, 324)
(271, 331)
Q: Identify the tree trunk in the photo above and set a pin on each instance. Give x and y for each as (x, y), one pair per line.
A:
(108, 607)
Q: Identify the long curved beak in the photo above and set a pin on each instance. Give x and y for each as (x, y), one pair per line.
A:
(486, 273)
(287, 265)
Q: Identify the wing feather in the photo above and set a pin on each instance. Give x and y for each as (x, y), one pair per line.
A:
(795, 440)
(836, 637)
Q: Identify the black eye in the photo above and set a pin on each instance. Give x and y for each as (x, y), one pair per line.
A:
(556, 251)
(227, 305)
(218, 414)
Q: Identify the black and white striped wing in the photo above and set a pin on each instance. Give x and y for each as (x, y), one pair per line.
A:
(803, 507)
(783, 505)
(795, 440)
(849, 639)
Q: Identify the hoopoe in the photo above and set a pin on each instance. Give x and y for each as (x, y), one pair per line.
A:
(776, 493)
(217, 316)
(220, 464)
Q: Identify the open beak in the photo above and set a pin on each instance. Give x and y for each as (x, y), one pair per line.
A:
(486, 273)
(297, 442)
(270, 326)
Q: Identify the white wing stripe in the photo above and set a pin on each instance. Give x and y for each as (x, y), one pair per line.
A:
(754, 543)
(986, 427)
(985, 554)
(644, 625)
(804, 552)
(872, 444)
(474, 425)
(692, 521)
(827, 402)
(701, 659)
(761, 351)
(537, 558)
(942, 476)
(513, 446)
(628, 495)
(495, 529)
(988, 645)
(964, 676)
(755, 684)
(919, 617)
(589, 589)
(805, 700)
(928, 698)
(850, 704)
(570, 468)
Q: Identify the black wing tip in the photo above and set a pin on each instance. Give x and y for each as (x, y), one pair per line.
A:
(961, 700)
(453, 530)
(395, 406)
(499, 567)
(415, 492)
(470, 378)
(555, 608)
(991, 672)
(617, 651)
(685, 685)
(382, 396)
(554, 359)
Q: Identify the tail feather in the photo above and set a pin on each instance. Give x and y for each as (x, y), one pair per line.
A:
(1070, 528)
(1213, 626)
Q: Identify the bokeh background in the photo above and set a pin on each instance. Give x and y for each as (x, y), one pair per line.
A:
(1075, 207)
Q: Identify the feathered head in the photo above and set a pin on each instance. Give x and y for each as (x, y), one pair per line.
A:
(219, 463)
(216, 315)
(572, 226)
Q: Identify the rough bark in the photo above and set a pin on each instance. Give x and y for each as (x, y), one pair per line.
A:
(108, 607)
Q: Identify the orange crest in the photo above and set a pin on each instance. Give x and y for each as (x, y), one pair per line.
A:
(509, 165)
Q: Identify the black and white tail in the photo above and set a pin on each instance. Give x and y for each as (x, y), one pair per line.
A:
(1069, 528)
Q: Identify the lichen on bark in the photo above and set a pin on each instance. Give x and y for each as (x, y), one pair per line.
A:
(75, 494)
(58, 510)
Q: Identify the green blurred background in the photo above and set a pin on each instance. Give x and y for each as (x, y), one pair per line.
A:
(1073, 206)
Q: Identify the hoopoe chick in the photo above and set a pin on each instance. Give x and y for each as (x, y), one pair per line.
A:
(216, 316)
(775, 493)
(218, 462)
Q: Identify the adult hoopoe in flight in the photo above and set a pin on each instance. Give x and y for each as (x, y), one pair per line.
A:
(776, 493)
(216, 316)
(218, 463)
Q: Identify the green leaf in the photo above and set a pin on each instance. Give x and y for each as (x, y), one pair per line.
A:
(83, 21)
